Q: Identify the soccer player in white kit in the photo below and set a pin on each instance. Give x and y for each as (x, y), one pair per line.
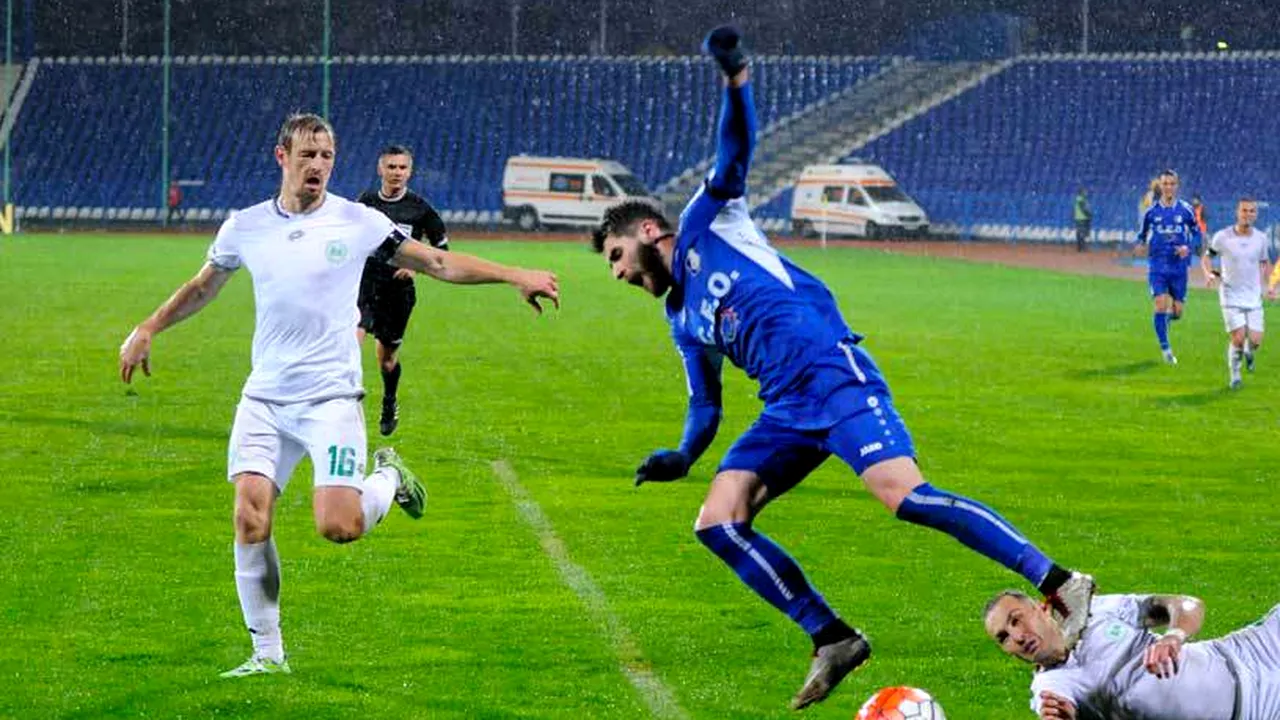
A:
(1242, 252)
(305, 250)
(1121, 670)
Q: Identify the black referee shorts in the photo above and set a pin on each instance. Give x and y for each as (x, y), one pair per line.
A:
(385, 307)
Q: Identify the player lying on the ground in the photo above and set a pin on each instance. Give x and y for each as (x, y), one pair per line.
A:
(732, 295)
(305, 250)
(1121, 669)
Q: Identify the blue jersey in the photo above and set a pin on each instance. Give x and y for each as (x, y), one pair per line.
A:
(1165, 229)
(737, 297)
(734, 296)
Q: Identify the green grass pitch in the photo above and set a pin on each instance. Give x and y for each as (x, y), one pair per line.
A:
(1036, 392)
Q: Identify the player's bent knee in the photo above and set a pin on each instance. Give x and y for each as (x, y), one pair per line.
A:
(891, 481)
(735, 497)
(338, 514)
(255, 497)
(340, 530)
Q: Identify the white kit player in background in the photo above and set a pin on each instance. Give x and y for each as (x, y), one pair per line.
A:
(305, 251)
(1241, 252)
(1121, 670)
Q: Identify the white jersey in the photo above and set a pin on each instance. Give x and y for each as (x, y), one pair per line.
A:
(1105, 678)
(1241, 275)
(306, 272)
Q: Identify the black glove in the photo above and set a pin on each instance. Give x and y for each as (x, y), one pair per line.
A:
(662, 466)
(725, 45)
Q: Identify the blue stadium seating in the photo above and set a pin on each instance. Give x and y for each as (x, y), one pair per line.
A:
(89, 134)
(1014, 150)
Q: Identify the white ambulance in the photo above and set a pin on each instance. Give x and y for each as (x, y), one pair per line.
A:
(574, 192)
(854, 198)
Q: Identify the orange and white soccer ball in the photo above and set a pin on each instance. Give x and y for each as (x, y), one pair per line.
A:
(901, 703)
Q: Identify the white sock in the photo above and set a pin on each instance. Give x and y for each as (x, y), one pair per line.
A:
(258, 585)
(1248, 346)
(377, 494)
(1234, 356)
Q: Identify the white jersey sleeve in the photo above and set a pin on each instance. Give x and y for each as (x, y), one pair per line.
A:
(224, 253)
(1072, 683)
(380, 238)
(1215, 242)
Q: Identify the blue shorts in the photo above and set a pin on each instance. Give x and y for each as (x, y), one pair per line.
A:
(783, 454)
(1168, 282)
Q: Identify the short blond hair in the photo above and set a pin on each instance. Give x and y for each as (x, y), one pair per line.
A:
(302, 124)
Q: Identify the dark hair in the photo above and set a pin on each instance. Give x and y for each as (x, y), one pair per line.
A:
(1016, 594)
(302, 124)
(1169, 172)
(1246, 199)
(395, 149)
(621, 219)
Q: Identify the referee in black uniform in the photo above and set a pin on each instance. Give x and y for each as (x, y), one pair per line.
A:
(387, 294)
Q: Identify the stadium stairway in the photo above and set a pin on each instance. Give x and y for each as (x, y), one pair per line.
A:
(15, 82)
(833, 130)
(777, 142)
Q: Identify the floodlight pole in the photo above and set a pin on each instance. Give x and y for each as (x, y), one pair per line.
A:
(515, 27)
(1084, 26)
(324, 60)
(165, 62)
(124, 28)
(8, 63)
(604, 25)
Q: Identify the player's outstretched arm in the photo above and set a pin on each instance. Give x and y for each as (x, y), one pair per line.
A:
(737, 129)
(187, 301)
(702, 420)
(463, 269)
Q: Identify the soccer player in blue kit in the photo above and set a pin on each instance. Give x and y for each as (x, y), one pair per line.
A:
(1172, 234)
(729, 294)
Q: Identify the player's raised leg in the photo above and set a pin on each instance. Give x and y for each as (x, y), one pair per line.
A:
(876, 444)
(347, 503)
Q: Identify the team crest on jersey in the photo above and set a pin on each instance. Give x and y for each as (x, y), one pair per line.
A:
(728, 325)
(693, 262)
(1116, 631)
(336, 252)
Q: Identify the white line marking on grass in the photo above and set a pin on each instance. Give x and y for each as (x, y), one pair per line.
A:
(657, 696)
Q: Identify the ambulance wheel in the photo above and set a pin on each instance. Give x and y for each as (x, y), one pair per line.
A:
(527, 219)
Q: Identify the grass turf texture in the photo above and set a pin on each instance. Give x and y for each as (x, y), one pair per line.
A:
(1038, 393)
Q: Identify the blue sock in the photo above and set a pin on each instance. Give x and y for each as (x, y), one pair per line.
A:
(770, 572)
(1162, 329)
(977, 526)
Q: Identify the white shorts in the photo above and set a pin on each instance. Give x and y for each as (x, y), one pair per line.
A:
(269, 439)
(1236, 318)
